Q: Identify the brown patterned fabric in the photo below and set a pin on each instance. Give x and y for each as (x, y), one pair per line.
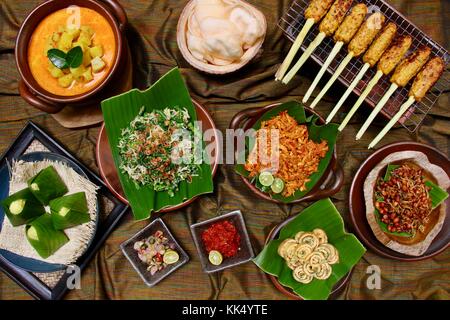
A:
(152, 37)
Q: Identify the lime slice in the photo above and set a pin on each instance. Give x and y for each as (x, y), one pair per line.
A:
(266, 178)
(215, 257)
(171, 257)
(277, 185)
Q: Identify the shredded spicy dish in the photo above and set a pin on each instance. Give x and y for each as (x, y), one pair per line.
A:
(154, 152)
(403, 201)
(223, 237)
(298, 156)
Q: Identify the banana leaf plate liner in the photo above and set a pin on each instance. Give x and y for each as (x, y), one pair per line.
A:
(324, 215)
(170, 91)
(316, 132)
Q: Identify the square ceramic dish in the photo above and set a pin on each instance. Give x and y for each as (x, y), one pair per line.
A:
(141, 267)
(53, 285)
(245, 253)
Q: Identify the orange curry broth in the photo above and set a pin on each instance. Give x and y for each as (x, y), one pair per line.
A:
(38, 61)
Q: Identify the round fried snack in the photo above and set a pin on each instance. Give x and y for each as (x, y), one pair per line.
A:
(301, 276)
(308, 238)
(329, 252)
(303, 250)
(321, 235)
(309, 255)
(282, 248)
(294, 263)
(323, 272)
(316, 258)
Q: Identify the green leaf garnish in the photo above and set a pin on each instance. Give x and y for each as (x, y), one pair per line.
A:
(74, 57)
(389, 170)
(437, 194)
(62, 60)
(58, 58)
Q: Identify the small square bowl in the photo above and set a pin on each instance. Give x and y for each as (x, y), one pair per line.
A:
(245, 252)
(141, 267)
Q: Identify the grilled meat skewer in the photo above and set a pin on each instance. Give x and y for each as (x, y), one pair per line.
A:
(387, 63)
(370, 59)
(357, 46)
(343, 35)
(404, 72)
(423, 82)
(315, 11)
(327, 28)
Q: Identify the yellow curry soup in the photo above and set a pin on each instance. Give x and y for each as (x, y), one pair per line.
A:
(103, 36)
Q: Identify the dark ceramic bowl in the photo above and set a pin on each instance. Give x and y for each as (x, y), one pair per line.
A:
(337, 289)
(108, 170)
(358, 207)
(332, 179)
(140, 267)
(46, 101)
(245, 254)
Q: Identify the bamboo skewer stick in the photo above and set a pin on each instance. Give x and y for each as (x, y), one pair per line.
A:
(392, 122)
(336, 74)
(404, 72)
(361, 99)
(327, 27)
(347, 93)
(343, 35)
(315, 11)
(294, 49)
(376, 110)
(337, 47)
(387, 63)
(301, 61)
(423, 82)
(370, 59)
(357, 46)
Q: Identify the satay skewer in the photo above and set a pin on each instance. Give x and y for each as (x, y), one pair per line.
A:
(424, 81)
(388, 61)
(370, 59)
(343, 35)
(327, 28)
(404, 72)
(315, 11)
(359, 44)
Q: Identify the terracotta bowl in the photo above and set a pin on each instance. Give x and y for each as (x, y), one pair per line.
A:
(337, 289)
(332, 179)
(108, 169)
(249, 55)
(358, 208)
(46, 101)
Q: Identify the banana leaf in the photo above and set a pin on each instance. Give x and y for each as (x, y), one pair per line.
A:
(44, 238)
(47, 185)
(69, 211)
(317, 133)
(324, 215)
(119, 111)
(437, 195)
(22, 207)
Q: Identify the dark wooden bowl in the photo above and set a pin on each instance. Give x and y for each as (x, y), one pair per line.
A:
(108, 170)
(332, 179)
(338, 287)
(358, 208)
(46, 101)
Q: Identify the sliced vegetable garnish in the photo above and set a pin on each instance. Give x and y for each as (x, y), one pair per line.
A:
(277, 185)
(266, 178)
(171, 257)
(215, 257)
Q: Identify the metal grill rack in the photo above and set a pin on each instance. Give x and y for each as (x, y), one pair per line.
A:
(293, 20)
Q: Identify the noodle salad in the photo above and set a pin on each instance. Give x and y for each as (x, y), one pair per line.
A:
(157, 149)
